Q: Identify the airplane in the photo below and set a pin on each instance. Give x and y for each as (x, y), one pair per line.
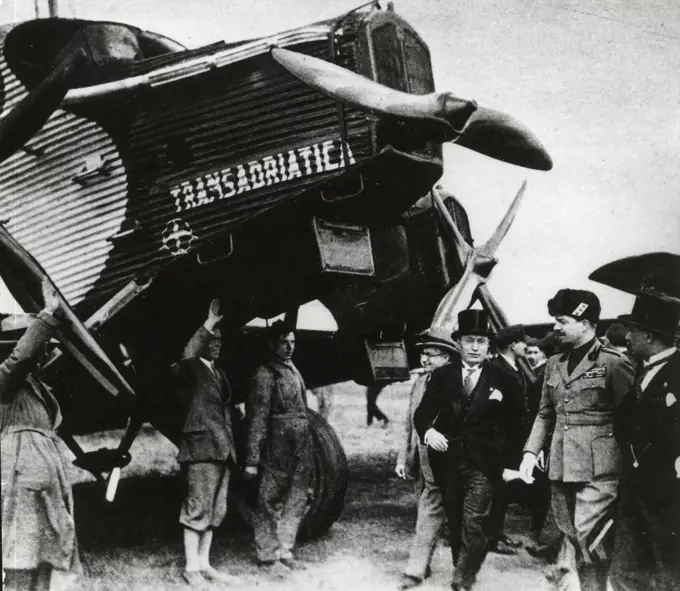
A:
(144, 179)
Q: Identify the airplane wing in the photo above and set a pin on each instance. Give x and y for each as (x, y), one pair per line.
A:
(658, 271)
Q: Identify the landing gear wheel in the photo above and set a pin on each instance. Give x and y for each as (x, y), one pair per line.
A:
(328, 482)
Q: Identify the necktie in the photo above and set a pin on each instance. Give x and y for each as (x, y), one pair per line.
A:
(643, 373)
(467, 381)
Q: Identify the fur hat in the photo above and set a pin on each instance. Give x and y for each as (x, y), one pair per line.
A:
(577, 303)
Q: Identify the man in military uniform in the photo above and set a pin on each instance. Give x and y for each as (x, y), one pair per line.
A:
(279, 441)
(647, 548)
(582, 391)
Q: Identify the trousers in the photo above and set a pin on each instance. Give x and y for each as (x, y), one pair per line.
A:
(430, 519)
(283, 493)
(585, 513)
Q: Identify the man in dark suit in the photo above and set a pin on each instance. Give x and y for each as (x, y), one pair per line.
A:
(647, 546)
(206, 449)
(466, 417)
(511, 346)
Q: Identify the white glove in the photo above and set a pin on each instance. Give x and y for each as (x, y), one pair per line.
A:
(526, 468)
(436, 440)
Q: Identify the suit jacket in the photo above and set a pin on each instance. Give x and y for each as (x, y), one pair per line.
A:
(581, 409)
(408, 450)
(481, 433)
(653, 435)
(519, 384)
(205, 396)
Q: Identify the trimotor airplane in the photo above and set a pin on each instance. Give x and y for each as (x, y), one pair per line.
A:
(144, 179)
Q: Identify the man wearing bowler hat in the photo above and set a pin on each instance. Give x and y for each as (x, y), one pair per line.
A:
(466, 417)
(647, 547)
(583, 389)
(436, 349)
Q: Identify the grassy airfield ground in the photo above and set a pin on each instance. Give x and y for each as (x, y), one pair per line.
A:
(135, 543)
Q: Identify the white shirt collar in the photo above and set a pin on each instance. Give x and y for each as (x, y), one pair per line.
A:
(208, 364)
(467, 367)
(660, 356)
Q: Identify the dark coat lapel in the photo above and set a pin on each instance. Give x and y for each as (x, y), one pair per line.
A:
(456, 391)
(664, 374)
(479, 393)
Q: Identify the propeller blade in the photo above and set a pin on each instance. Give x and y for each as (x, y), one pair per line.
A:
(491, 246)
(90, 53)
(443, 111)
(23, 276)
(458, 298)
(33, 111)
(463, 248)
(503, 137)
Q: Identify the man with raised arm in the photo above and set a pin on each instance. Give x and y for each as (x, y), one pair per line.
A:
(207, 452)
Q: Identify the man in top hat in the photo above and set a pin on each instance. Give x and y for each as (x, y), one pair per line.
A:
(511, 346)
(436, 349)
(466, 417)
(582, 391)
(647, 548)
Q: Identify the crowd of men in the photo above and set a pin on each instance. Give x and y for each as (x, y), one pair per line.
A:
(593, 437)
(579, 430)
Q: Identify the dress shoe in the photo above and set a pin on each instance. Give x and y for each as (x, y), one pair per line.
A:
(542, 551)
(275, 569)
(500, 547)
(214, 576)
(508, 541)
(293, 564)
(409, 582)
(459, 587)
(194, 579)
(428, 572)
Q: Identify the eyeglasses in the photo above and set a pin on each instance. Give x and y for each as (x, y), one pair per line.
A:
(431, 355)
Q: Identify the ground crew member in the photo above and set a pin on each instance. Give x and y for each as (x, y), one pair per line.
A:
(38, 530)
(582, 390)
(278, 441)
(647, 548)
(436, 348)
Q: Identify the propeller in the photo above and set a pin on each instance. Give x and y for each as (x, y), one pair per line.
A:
(477, 262)
(88, 55)
(449, 118)
(23, 276)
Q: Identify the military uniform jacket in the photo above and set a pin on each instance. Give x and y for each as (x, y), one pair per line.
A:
(653, 441)
(581, 409)
(481, 433)
(206, 399)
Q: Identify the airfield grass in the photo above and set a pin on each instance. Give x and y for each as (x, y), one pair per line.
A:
(135, 542)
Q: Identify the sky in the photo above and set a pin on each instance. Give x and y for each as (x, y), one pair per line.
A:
(596, 80)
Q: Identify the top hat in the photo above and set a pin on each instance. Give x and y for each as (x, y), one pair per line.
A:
(473, 322)
(655, 312)
(577, 303)
(436, 337)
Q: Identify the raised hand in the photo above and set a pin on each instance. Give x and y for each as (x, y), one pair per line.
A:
(214, 315)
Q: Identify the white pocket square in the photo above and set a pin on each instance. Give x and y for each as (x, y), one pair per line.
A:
(496, 395)
(670, 399)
